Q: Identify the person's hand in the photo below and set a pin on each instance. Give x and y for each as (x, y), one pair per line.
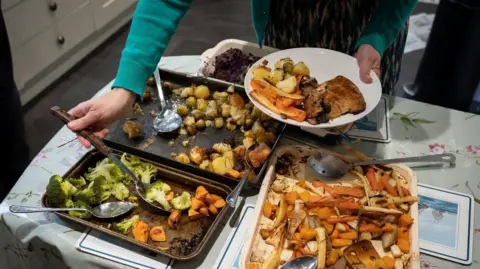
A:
(96, 114)
(368, 59)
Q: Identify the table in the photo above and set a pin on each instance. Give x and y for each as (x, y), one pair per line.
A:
(45, 241)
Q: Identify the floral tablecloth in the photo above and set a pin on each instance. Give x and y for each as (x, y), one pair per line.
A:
(45, 241)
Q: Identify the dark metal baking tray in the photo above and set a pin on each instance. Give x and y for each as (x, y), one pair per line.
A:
(178, 180)
(157, 148)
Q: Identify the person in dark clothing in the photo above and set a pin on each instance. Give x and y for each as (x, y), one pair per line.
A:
(12, 135)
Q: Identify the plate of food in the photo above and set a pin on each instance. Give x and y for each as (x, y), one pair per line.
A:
(311, 87)
(367, 219)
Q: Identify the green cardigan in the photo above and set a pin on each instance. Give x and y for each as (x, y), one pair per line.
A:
(155, 22)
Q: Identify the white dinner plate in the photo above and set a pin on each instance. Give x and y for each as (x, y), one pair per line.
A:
(324, 65)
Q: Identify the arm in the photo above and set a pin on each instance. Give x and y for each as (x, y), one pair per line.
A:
(154, 23)
(388, 18)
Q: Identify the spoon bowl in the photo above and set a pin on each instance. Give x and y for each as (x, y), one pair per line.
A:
(302, 262)
(104, 211)
(168, 121)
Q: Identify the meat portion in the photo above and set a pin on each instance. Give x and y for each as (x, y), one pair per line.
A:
(342, 97)
(331, 99)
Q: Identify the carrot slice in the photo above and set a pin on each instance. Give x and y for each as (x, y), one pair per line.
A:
(371, 178)
(333, 220)
(341, 190)
(260, 87)
(390, 189)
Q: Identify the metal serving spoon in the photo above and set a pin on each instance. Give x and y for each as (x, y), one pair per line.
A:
(103, 211)
(167, 121)
(302, 262)
(140, 187)
(332, 167)
(233, 196)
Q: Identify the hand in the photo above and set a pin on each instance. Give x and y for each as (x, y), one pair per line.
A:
(368, 59)
(98, 113)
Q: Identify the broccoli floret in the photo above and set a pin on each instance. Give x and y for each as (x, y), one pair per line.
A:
(102, 188)
(120, 191)
(156, 193)
(130, 161)
(59, 191)
(80, 214)
(77, 182)
(145, 172)
(87, 195)
(69, 203)
(182, 202)
(134, 200)
(125, 225)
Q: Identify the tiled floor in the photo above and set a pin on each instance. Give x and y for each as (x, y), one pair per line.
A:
(206, 23)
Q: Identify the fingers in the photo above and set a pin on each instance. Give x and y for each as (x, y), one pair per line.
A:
(84, 122)
(365, 65)
(100, 134)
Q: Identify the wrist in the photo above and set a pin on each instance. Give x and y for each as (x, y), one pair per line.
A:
(127, 95)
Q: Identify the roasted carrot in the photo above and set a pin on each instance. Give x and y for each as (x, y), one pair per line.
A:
(328, 226)
(391, 206)
(372, 179)
(284, 102)
(262, 88)
(292, 112)
(267, 209)
(390, 189)
(324, 212)
(301, 183)
(338, 243)
(341, 190)
(303, 251)
(352, 235)
(308, 233)
(404, 245)
(348, 205)
(299, 79)
(305, 196)
(406, 192)
(389, 262)
(387, 228)
(334, 220)
(291, 197)
(372, 228)
(316, 199)
(405, 220)
(335, 234)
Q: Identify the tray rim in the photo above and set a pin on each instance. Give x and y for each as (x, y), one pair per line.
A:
(200, 246)
(253, 230)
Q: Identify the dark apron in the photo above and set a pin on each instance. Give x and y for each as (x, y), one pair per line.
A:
(330, 24)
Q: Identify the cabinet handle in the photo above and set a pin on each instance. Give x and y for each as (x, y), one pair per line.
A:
(61, 40)
(52, 5)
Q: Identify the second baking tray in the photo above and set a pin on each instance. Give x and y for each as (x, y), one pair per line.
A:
(192, 235)
(159, 148)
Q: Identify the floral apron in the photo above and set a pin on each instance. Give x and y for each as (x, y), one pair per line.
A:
(330, 24)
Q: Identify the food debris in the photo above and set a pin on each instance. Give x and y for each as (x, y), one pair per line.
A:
(147, 144)
(173, 154)
(154, 113)
(147, 96)
(171, 142)
(185, 143)
(133, 129)
(167, 84)
(137, 109)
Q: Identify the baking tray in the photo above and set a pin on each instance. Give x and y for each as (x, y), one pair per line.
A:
(301, 152)
(157, 148)
(208, 56)
(178, 180)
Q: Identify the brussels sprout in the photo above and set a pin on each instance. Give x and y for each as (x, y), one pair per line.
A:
(151, 81)
(188, 121)
(212, 109)
(248, 124)
(300, 69)
(218, 122)
(230, 126)
(200, 125)
(208, 123)
(226, 110)
(191, 101)
(231, 89)
(202, 92)
(286, 64)
(256, 113)
(186, 92)
(182, 110)
(202, 104)
(191, 130)
(275, 76)
(197, 114)
(220, 97)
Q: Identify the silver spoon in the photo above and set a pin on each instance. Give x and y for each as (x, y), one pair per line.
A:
(167, 121)
(233, 196)
(103, 211)
(332, 167)
(302, 262)
(140, 187)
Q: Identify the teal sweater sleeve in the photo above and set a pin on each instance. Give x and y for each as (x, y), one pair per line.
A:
(153, 25)
(388, 18)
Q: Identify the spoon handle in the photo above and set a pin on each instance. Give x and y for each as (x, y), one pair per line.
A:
(156, 74)
(442, 158)
(233, 196)
(36, 209)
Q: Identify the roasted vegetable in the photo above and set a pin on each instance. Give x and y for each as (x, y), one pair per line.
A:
(204, 211)
(220, 97)
(389, 238)
(157, 192)
(322, 247)
(182, 201)
(183, 158)
(260, 71)
(274, 76)
(120, 191)
(285, 63)
(198, 114)
(212, 109)
(222, 147)
(194, 215)
(191, 130)
(200, 193)
(200, 125)
(301, 69)
(288, 85)
(197, 204)
(186, 92)
(125, 225)
(202, 105)
(218, 122)
(206, 165)
(248, 141)
(256, 113)
(174, 218)
(77, 182)
(197, 155)
(145, 172)
(230, 126)
(226, 110)
(202, 92)
(132, 129)
(80, 214)
(221, 165)
(259, 155)
(157, 234)
(59, 191)
(188, 121)
(236, 100)
(191, 101)
(140, 231)
(212, 209)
